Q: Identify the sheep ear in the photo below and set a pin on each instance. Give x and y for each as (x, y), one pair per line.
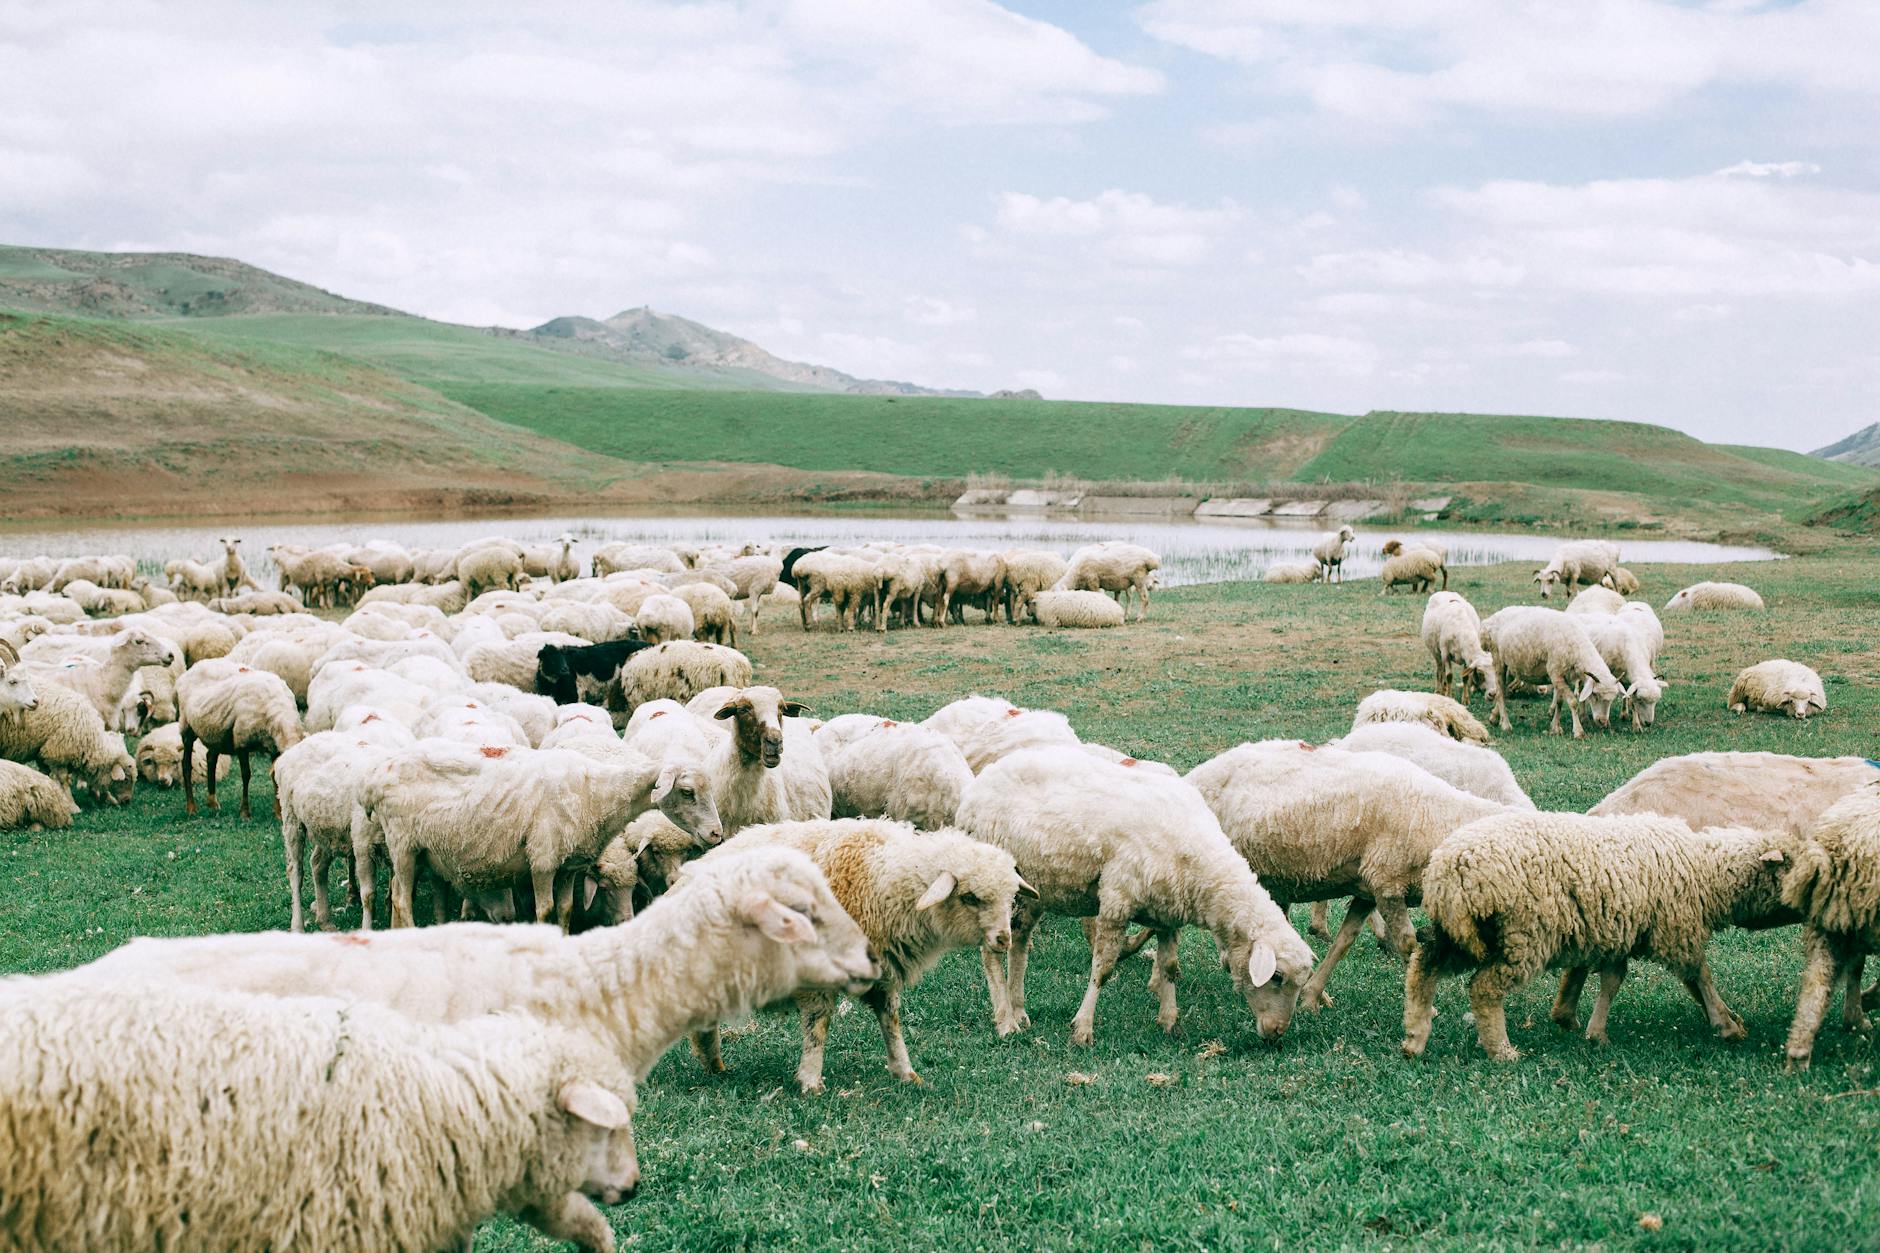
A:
(1025, 889)
(668, 776)
(775, 919)
(593, 1104)
(1774, 854)
(937, 891)
(1262, 964)
(733, 709)
(795, 709)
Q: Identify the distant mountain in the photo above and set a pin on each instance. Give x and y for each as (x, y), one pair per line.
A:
(1862, 448)
(156, 285)
(643, 337)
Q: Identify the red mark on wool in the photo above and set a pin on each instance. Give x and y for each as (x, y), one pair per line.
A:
(660, 714)
(884, 726)
(489, 751)
(346, 937)
(1013, 713)
(368, 718)
(241, 669)
(1127, 761)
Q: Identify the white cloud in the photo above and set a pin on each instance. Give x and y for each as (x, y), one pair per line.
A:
(1261, 353)
(1128, 228)
(1769, 169)
(933, 311)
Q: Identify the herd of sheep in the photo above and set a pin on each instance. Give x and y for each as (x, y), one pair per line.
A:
(493, 731)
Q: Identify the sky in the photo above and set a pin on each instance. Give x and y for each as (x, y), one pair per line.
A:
(1663, 212)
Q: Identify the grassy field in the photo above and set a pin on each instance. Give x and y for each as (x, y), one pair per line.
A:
(1208, 1139)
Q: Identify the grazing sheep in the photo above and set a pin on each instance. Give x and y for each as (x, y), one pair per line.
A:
(1323, 823)
(316, 787)
(552, 561)
(160, 757)
(916, 895)
(679, 670)
(1714, 596)
(1330, 552)
(1547, 646)
(624, 556)
(1766, 790)
(232, 709)
(1834, 884)
(1778, 687)
(1577, 563)
(713, 617)
(492, 566)
(1418, 568)
(1028, 571)
(1076, 609)
(103, 683)
(1622, 581)
(1397, 547)
(261, 603)
(1114, 566)
(1452, 631)
(1294, 572)
(900, 771)
(59, 729)
(903, 583)
(966, 574)
(1624, 646)
(30, 800)
(1125, 845)
(848, 582)
(1511, 895)
(735, 935)
(1468, 767)
(664, 617)
(755, 577)
(194, 580)
(220, 1120)
(1596, 598)
(1437, 712)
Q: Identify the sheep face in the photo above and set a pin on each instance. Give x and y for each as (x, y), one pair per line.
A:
(601, 1124)
(1268, 980)
(146, 650)
(1547, 578)
(16, 694)
(1598, 696)
(758, 714)
(797, 911)
(115, 785)
(1642, 699)
(683, 794)
(1802, 704)
(972, 903)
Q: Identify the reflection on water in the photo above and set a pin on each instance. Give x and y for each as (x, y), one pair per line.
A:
(1192, 551)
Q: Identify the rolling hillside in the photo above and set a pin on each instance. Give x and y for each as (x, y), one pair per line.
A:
(1860, 448)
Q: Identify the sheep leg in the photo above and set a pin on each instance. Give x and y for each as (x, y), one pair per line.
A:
(1320, 925)
(1703, 989)
(1391, 924)
(1142, 590)
(241, 759)
(352, 877)
(1162, 979)
(1024, 922)
(1419, 1002)
(1104, 951)
(1822, 963)
(574, 1219)
(886, 1002)
(404, 876)
(1313, 995)
(946, 603)
(564, 899)
(1566, 1010)
(994, 964)
(542, 880)
(1610, 977)
(1488, 995)
(322, 897)
(1442, 679)
(1501, 698)
(1853, 1003)
(707, 1048)
(818, 1008)
(294, 844)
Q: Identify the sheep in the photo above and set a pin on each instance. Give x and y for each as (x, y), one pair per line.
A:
(220, 1120)
(234, 572)
(1467, 767)
(102, 602)
(838, 733)
(514, 662)
(480, 569)
(232, 709)
(1766, 790)
(448, 596)
(1623, 645)
(1577, 562)
(1319, 824)
(1113, 566)
(735, 935)
(151, 594)
(1536, 645)
(848, 582)
(1329, 552)
(663, 617)
(1778, 686)
(343, 683)
(743, 766)
(160, 757)
(968, 574)
(903, 582)
(1103, 752)
(387, 562)
(1595, 598)
(552, 561)
(193, 580)
(1833, 885)
(1076, 609)
(569, 673)
(900, 771)
(1622, 581)
(317, 574)
(17, 633)
(1027, 572)
(59, 729)
(29, 799)
(679, 670)
(1714, 596)
(1397, 547)
(713, 617)
(1640, 617)
(916, 895)
(755, 577)
(598, 623)
(257, 603)
(316, 785)
(968, 715)
(1016, 731)
(622, 556)
(1511, 895)
(1294, 572)
(1452, 631)
(32, 574)
(1437, 712)
(1417, 567)
(105, 682)
(1102, 839)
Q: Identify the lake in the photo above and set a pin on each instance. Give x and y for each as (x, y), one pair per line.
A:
(1192, 551)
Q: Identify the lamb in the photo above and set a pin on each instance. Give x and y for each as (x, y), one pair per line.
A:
(59, 729)
(1835, 885)
(316, 786)
(1123, 845)
(1545, 645)
(104, 683)
(232, 709)
(1417, 567)
(663, 618)
(1319, 824)
(553, 561)
(1437, 712)
(679, 670)
(1114, 566)
(1510, 895)
(713, 617)
(220, 1120)
(1452, 631)
(30, 800)
(848, 582)
(1294, 572)
(1330, 552)
(1714, 596)
(1622, 581)
(484, 818)
(744, 766)
(234, 570)
(1776, 687)
(1076, 609)
(257, 603)
(1766, 790)
(966, 574)
(735, 935)
(160, 757)
(103, 601)
(1577, 562)
(899, 771)
(916, 895)
(1624, 646)
(1397, 547)
(1467, 767)
(1028, 571)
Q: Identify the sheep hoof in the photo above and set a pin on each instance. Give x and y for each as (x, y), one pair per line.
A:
(1082, 1036)
(1598, 1037)
(1566, 1021)
(1733, 1030)
(326, 924)
(1859, 1026)
(1320, 930)
(1797, 1062)
(814, 1088)
(1506, 1053)
(1412, 1048)
(911, 1076)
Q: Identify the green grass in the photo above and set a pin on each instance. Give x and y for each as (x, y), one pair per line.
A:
(1331, 1139)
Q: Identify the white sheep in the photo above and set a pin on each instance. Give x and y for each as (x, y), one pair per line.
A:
(627, 556)
(900, 771)
(916, 895)
(1596, 598)
(664, 617)
(1835, 885)
(768, 768)
(160, 757)
(316, 787)
(966, 574)
(1622, 581)
(59, 729)
(679, 670)
(1452, 632)
(1766, 790)
(1329, 552)
(491, 566)
(714, 619)
(835, 735)
(1575, 563)
(964, 717)
(1624, 645)
(1469, 767)
(31, 800)
(1419, 568)
(1114, 566)
(552, 561)
(1055, 608)
(221, 1120)
(1016, 731)
(1028, 571)
(755, 576)
(1125, 845)
(232, 709)
(1779, 686)
(1511, 895)
(848, 582)
(1439, 713)
(1714, 596)
(194, 580)
(515, 662)
(104, 682)
(1103, 752)
(1294, 572)
(1547, 646)
(1438, 552)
